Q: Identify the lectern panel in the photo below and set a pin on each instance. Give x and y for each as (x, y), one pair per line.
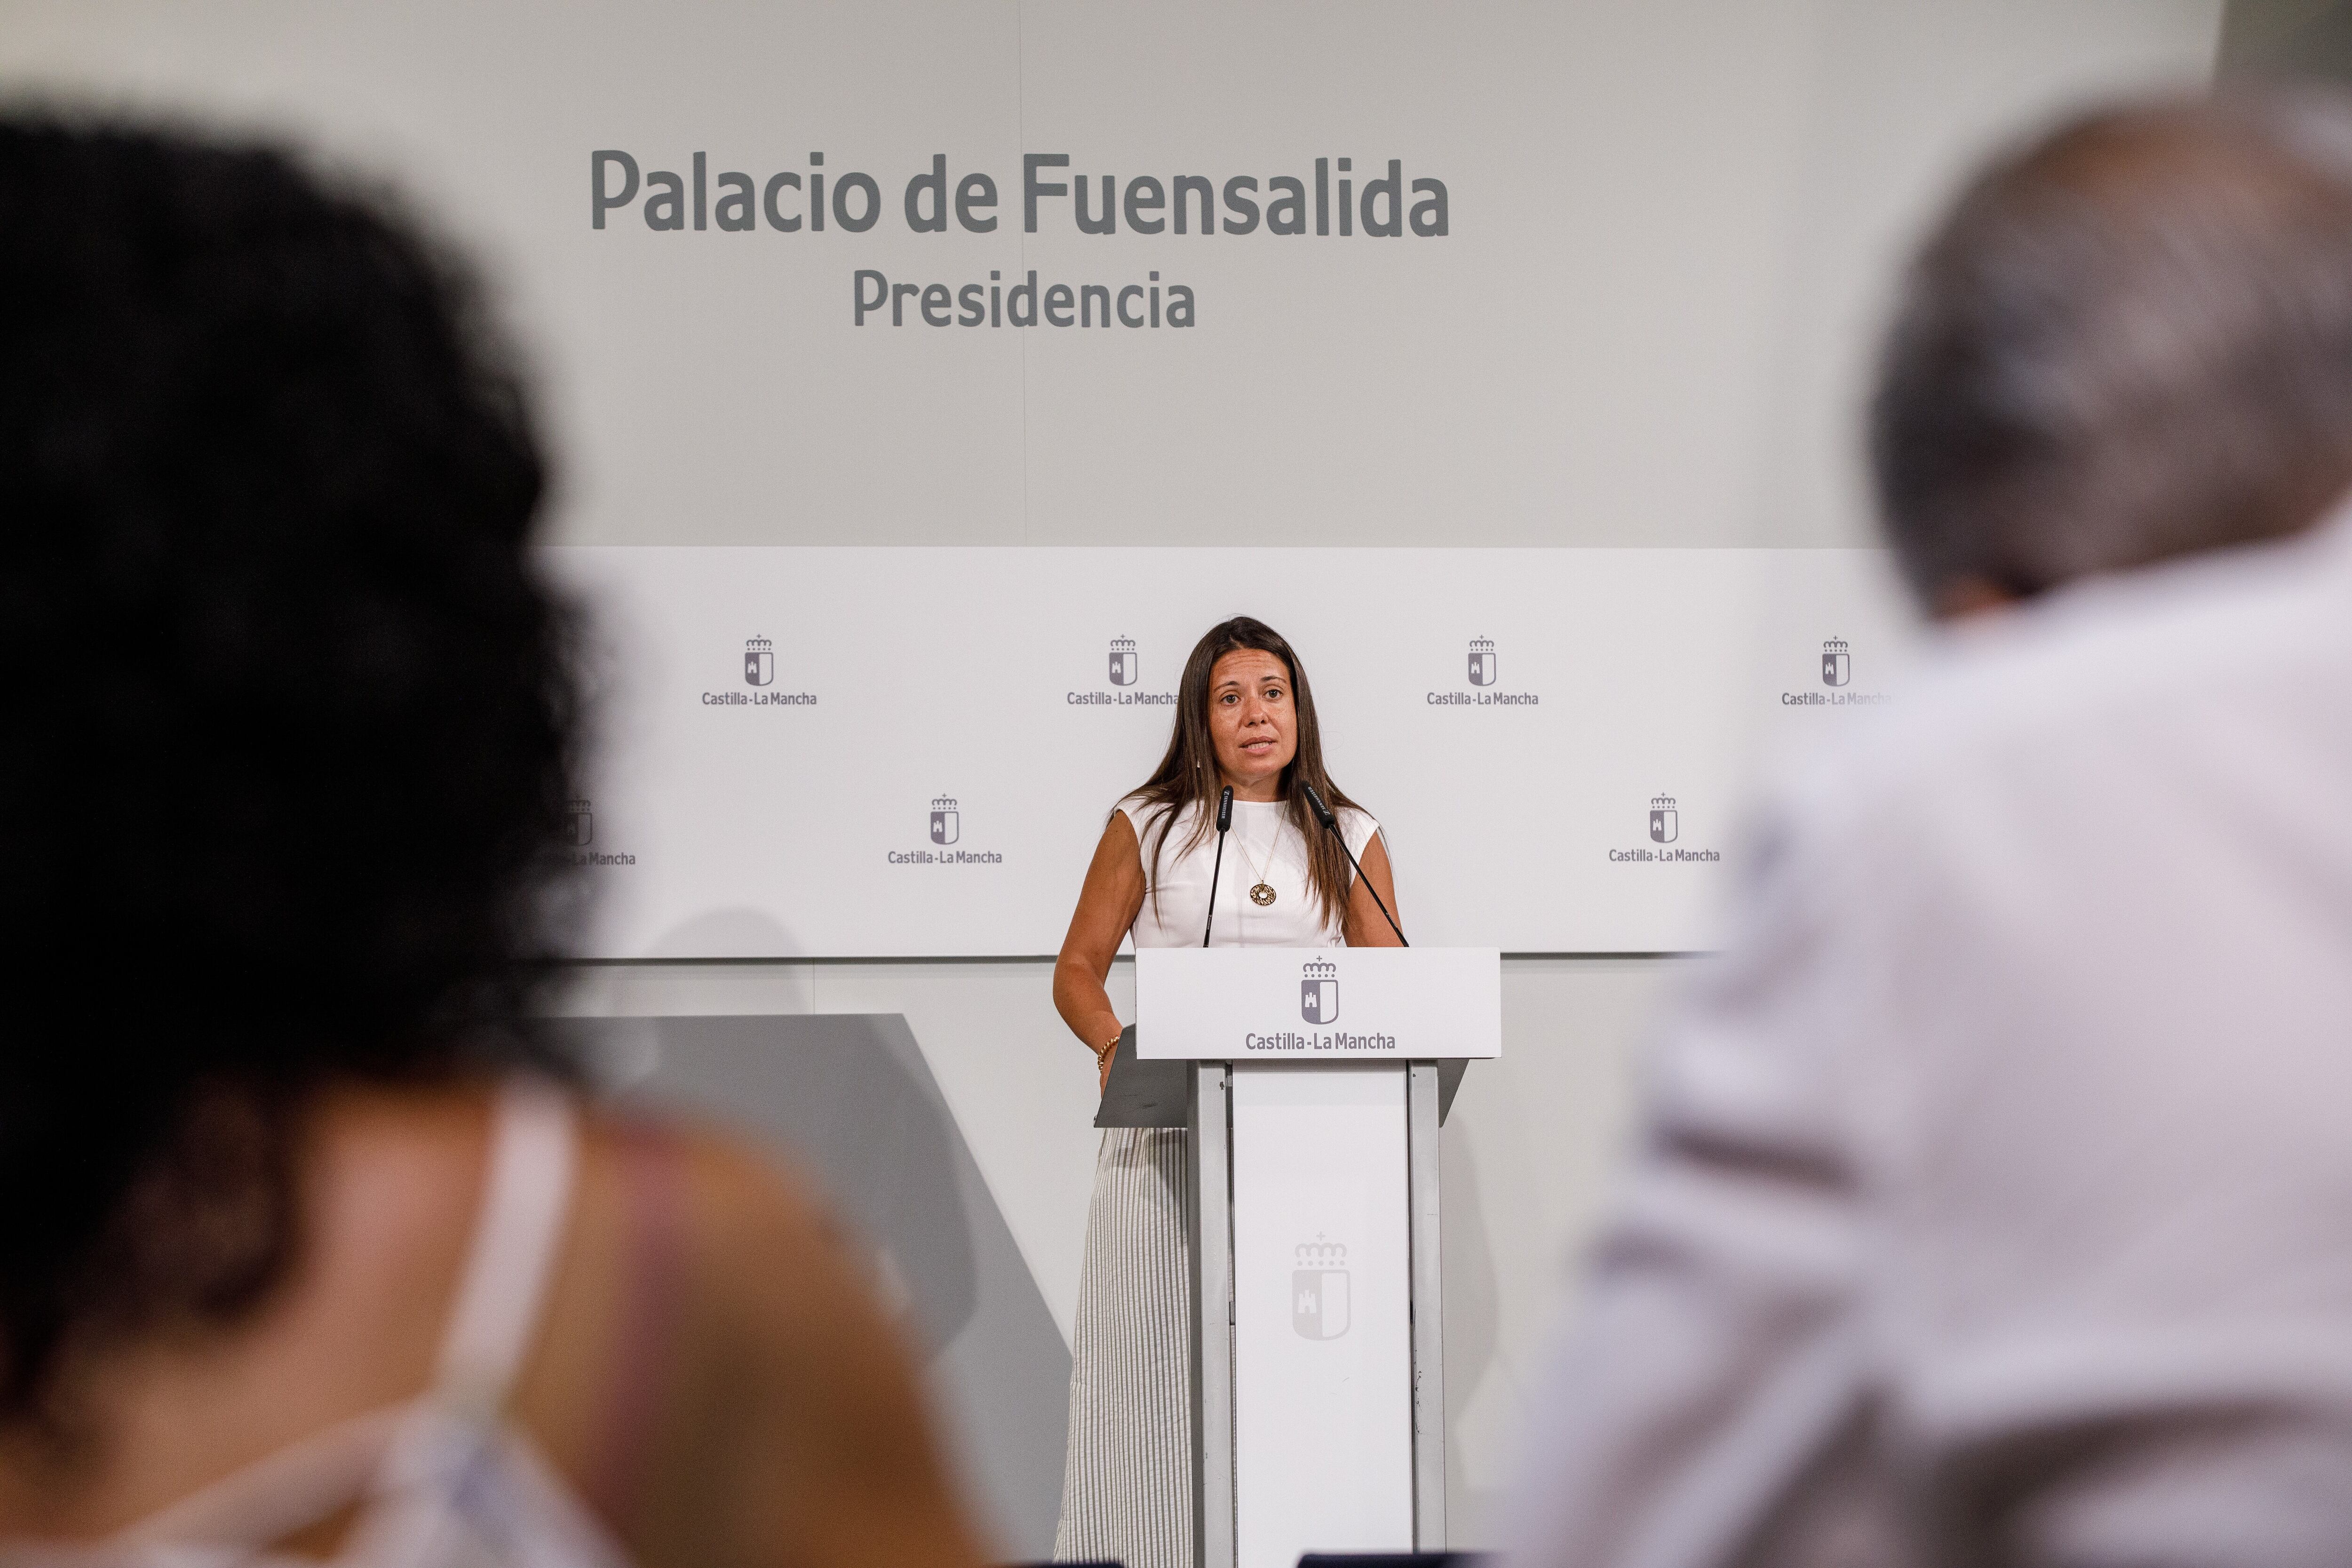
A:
(1322, 1318)
(1296, 1004)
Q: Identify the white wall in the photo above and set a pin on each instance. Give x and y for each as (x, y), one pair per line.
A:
(1673, 223)
(1680, 219)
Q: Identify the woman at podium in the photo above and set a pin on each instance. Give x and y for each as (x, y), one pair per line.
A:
(1244, 721)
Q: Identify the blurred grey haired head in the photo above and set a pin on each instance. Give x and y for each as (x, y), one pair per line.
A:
(2128, 341)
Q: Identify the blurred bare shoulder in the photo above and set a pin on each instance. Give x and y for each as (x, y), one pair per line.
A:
(794, 1429)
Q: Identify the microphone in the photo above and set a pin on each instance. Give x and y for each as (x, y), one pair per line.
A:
(1225, 821)
(1331, 825)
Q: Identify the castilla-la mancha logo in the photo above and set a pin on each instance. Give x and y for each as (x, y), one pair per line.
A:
(580, 832)
(1485, 673)
(1665, 834)
(760, 675)
(1837, 675)
(1126, 669)
(1318, 991)
(946, 829)
(1319, 1289)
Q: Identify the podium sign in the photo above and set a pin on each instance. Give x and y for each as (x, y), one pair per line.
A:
(1322, 1313)
(1317, 1003)
(1314, 1102)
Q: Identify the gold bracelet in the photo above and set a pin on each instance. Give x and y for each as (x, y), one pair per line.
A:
(1107, 1047)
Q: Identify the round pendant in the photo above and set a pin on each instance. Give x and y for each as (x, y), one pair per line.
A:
(1261, 895)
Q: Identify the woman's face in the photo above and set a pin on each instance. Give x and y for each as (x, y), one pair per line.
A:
(1252, 722)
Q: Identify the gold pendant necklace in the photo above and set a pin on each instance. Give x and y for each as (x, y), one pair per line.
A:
(1263, 893)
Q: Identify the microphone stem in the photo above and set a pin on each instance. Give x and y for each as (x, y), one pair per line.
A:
(1214, 872)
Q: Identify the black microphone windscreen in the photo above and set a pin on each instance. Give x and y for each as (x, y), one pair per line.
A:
(1225, 809)
(1315, 804)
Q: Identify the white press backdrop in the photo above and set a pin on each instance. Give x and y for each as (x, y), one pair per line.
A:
(1672, 228)
(846, 753)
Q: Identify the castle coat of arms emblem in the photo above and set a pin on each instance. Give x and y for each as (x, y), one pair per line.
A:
(1318, 1291)
(1318, 991)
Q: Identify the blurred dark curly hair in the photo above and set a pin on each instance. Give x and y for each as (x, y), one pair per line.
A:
(290, 717)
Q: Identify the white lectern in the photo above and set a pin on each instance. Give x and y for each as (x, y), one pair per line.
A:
(1313, 1081)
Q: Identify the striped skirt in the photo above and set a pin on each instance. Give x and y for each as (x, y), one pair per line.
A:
(1127, 1483)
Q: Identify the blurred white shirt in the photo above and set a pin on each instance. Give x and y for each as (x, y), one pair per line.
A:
(1993, 1199)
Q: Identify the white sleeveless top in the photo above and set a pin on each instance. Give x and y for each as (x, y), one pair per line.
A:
(1262, 842)
(443, 1480)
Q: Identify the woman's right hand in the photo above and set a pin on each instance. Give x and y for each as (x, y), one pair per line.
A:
(1108, 905)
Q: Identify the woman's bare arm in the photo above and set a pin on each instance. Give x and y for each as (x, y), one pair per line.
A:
(1365, 925)
(1108, 905)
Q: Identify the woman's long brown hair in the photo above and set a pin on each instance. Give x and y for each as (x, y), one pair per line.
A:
(1188, 774)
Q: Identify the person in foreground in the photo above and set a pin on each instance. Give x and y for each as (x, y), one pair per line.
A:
(308, 1252)
(1994, 1198)
(1246, 723)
